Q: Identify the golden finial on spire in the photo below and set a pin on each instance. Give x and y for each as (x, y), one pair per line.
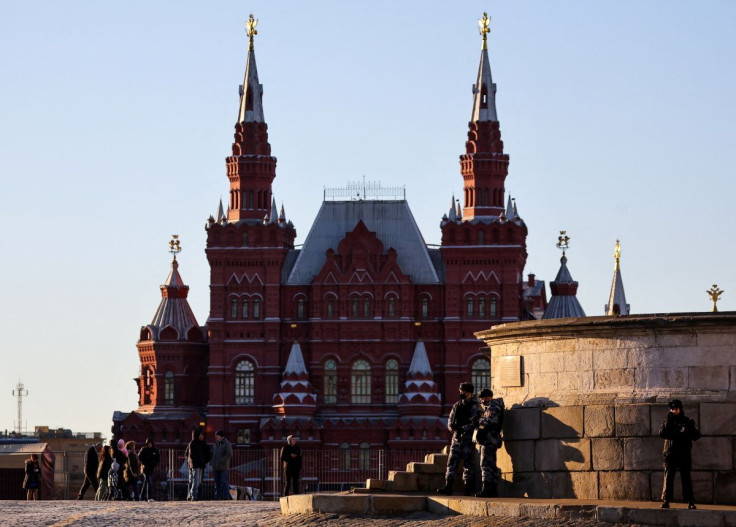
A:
(174, 245)
(250, 29)
(715, 293)
(617, 252)
(484, 26)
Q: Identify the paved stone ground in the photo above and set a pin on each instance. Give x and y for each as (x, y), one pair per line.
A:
(247, 513)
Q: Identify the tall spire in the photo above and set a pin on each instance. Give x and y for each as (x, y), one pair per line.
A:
(484, 90)
(251, 169)
(251, 91)
(421, 395)
(296, 395)
(617, 299)
(484, 166)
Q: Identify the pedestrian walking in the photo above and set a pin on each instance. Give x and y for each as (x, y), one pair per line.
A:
(462, 421)
(105, 462)
(149, 457)
(198, 455)
(32, 478)
(488, 437)
(91, 463)
(120, 455)
(291, 458)
(222, 451)
(132, 473)
(678, 432)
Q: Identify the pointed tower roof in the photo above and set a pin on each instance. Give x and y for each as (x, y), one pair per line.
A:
(564, 302)
(453, 213)
(296, 396)
(510, 210)
(274, 216)
(421, 395)
(484, 90)
(174, 310)
(617, 298)
(220, 213)
(251, 91)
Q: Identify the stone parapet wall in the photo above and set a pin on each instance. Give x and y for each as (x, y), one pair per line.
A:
(584, 422)
(612, 452)
(605, 360)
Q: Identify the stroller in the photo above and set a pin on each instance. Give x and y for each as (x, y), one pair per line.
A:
(113, 491)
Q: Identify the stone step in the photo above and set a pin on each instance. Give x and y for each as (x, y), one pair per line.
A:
(436, 459)
(402, 481)
(426, 468)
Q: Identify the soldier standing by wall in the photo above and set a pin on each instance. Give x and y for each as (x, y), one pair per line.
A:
(488, 436)
(462, 421)
(678, 433)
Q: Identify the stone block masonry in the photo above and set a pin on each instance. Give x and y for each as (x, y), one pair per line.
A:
(585, 423)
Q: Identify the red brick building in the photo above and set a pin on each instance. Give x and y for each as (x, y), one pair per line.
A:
(358, 339)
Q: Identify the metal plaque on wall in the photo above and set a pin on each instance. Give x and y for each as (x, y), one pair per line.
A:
(509, 371)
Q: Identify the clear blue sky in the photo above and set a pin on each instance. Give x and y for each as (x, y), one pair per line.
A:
(115, 120)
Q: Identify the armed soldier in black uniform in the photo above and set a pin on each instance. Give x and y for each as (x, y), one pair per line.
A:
(462, 421)
(678, 433)
(488, 436)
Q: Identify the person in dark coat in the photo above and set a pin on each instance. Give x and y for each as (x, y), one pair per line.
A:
(462, 421)
(488, 437)
(32, 478)
(91, 462)
(222, 451)
(132, 473)
(198, 455)
(291, 458)
(105, 462)
(120, 455)
(678, 432)
(149, 457)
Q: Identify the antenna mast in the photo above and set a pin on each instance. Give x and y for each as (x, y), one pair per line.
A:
(20, 392)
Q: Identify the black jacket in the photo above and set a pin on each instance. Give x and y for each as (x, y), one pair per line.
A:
(91, 462)
(291, 463)
(678, 432)
(149, 458)
(198, 453)
(104, 468)
(464, 417)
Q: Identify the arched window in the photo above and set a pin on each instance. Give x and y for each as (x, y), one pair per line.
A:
(330, 395)
(256, 308)
(356, 307)
(391, 307)
(470, 307)
(244, 385)
(482, 307)
(330, 307)
(366, 307)
(234, 308)
(392, 381)
(492, 307)
(245, 308)
(480, 374)
(364, 456)
(300, 309)
(169, 388)
(344, 456)
(360, 382)
(425, 307)
(481, 237)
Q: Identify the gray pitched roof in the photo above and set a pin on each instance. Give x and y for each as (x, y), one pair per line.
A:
(393, 223)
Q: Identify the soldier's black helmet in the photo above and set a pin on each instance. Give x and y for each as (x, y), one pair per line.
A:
(675, 403)
(485, 392)
(467, 387)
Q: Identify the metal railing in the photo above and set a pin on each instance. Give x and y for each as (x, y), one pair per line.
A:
(257, 474)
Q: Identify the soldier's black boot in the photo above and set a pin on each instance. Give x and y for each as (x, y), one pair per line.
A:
(488, 491)
(447, 489)
(469, 488)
